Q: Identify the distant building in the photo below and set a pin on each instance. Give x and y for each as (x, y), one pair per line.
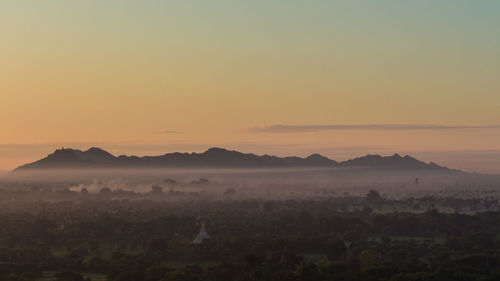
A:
(203, 235)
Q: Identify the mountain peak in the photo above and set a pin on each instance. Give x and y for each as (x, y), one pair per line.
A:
(316, 156)
(319, 159)
(96, 150)
(63, 150)
(96, 154)
(217, 150)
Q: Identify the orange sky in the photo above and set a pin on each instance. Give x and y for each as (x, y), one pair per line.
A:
(121, 74)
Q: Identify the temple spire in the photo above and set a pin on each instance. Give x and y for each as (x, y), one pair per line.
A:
(203, 235)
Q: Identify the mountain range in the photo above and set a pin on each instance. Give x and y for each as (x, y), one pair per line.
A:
(95, 158)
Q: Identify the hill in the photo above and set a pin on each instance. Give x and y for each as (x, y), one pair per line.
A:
(96, 158)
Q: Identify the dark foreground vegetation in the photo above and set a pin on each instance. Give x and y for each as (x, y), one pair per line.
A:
(344, 238)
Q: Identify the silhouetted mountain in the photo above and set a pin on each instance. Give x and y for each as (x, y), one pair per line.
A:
(214, 158)
(393, 162)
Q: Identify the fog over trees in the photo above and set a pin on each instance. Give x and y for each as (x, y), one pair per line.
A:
(357, 222)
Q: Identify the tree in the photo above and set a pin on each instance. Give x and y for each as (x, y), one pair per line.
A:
(105, 191)
(335, 249)
(373, 196)
(368, 258)
(69, 276)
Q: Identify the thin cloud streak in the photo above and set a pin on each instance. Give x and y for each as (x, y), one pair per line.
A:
(389, 127)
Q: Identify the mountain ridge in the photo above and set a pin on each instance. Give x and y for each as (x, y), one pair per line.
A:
(215, 157)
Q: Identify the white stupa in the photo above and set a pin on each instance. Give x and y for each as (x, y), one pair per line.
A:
(203, 235)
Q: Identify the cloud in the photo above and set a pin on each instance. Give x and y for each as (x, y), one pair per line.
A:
(171, 132)
(315, 128)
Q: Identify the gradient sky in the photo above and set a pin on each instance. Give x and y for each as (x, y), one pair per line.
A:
(149, 77)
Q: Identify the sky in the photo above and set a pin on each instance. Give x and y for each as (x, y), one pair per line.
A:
(285, 77)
